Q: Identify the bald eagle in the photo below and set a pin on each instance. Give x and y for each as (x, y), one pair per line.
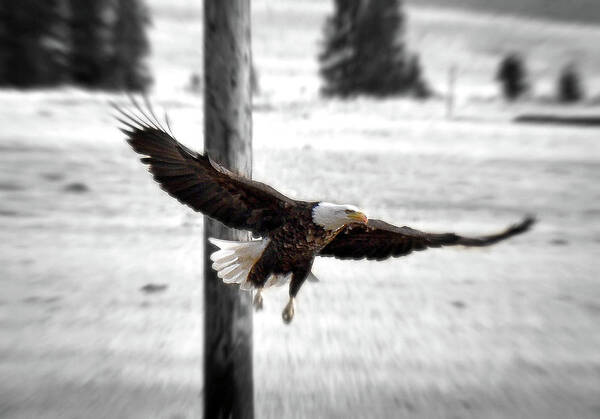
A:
(292, 233)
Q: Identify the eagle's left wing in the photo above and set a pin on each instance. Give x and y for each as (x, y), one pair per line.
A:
(200, 183)
(379, 240)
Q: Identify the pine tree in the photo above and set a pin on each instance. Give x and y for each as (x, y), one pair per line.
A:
(338, 58)
(414, 78)
(93, 43)
(90, 42)
(512, 75)
(33, 42)
(569, 85)
(364, 51)
(130, 47)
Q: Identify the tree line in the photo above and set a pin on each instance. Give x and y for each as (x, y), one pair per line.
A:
(102, 44)
(98, 44)
(364, 53)
(514, 80)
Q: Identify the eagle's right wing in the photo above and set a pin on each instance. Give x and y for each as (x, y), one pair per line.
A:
(379, 240)
(197, 181)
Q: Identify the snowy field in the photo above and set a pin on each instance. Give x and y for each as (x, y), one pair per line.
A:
(510, 331)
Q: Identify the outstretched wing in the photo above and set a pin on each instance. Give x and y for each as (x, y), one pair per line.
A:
(197, 181)
(379, 240)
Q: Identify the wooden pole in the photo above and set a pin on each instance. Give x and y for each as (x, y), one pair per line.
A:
(450, 93)
(228, 381)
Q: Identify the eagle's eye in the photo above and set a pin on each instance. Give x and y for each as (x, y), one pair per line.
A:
(348, 211)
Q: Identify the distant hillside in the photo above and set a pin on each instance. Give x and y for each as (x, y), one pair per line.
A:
(572, 10)
(564, 10)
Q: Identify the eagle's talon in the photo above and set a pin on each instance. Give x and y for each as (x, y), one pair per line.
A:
(288, 312)
(258, 301)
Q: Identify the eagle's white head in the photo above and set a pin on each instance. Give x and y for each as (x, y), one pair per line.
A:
(332, 216)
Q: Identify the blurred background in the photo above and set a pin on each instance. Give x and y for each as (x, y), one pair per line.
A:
(445, 115)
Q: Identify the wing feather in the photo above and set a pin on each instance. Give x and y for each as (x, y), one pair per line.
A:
(379, 240)
(201, 183)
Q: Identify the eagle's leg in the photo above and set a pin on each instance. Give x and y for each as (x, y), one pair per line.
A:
(258, 300)
(298, 278)
(288, 311)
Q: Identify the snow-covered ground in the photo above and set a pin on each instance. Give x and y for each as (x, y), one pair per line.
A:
(506, 331)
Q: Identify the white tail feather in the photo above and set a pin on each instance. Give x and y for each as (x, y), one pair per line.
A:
(235, 279)
(234, 260)
(222, 255)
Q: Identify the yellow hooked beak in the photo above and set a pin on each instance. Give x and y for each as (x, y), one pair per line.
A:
(358, 217)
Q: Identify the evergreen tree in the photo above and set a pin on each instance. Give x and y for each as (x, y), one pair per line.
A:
(90, 41)
(569, 85)
(93, 43)
(130, 46)
(414, 78)
(512, 76)
(33, 42)
(364, 50)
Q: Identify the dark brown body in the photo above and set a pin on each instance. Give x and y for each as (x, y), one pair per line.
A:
(292, 249)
